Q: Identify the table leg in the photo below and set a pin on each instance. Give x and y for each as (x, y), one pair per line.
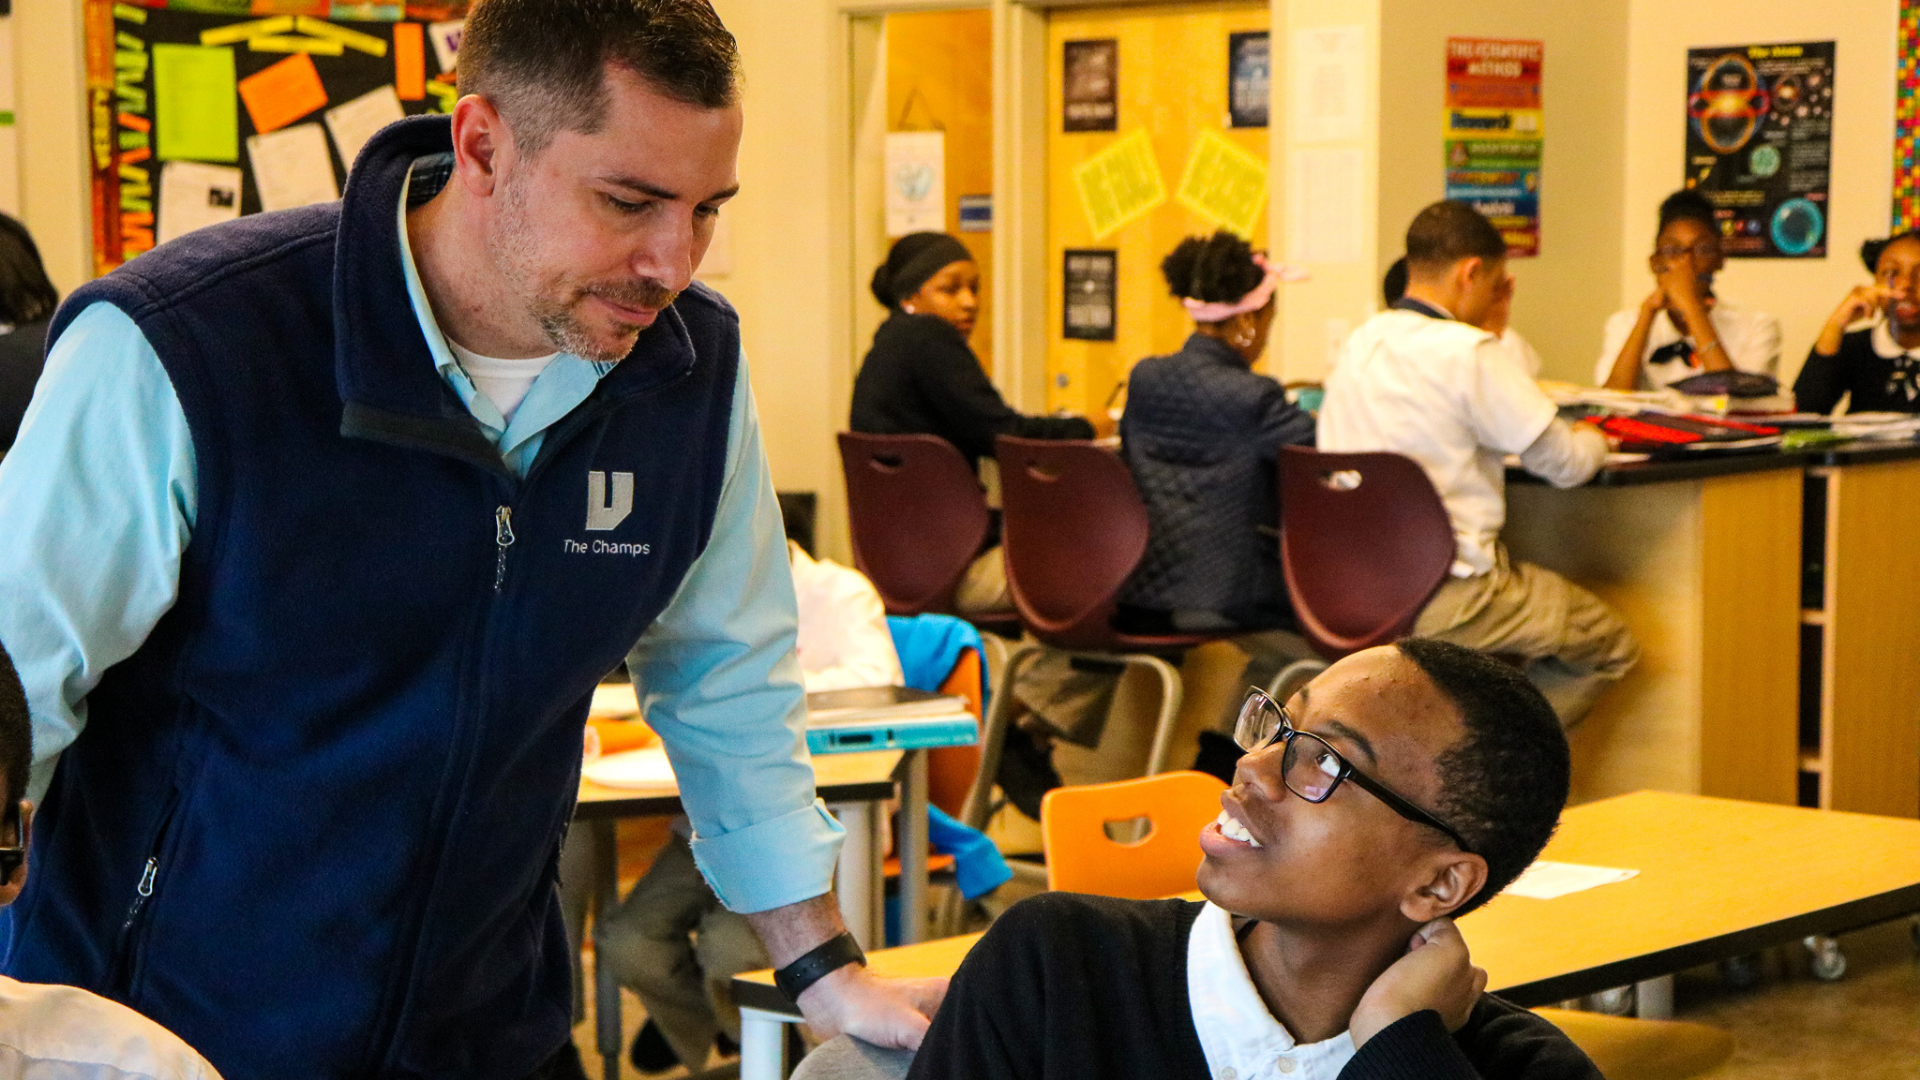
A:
(763, 1045)
(911, 841)
(857, 878)
(606, 992)
(1653, 998)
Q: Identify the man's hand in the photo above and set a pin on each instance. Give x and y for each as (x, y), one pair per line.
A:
(885, 1012)
(1435, 974)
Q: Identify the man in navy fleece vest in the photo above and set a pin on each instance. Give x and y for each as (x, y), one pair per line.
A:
(326, 523)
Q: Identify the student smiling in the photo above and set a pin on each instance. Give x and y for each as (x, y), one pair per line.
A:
(1405, 786)
(1876, 364)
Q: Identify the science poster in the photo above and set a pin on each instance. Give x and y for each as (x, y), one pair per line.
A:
(1495, 135)
(1760, 145)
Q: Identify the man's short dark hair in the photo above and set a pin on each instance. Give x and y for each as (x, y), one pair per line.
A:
(1687, 205)
(1449, 231)
(1503, 785)
(543, 63)
(1394, 285)
(16, 731)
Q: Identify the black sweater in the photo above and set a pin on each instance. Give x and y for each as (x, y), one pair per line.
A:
(921, 378)
(1077, 986)
(1878, 383)
(21, 356)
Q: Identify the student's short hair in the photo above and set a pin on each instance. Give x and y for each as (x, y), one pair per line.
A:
(1687, 205)
(1394, 285)
(25, 293)
(1503, 785)
(16, 731)
(1871, 250)
(543, 63)
(1449, 231)
(1217, 269)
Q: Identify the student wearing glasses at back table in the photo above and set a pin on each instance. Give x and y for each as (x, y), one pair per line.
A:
(1682, 329)
(1403, 787)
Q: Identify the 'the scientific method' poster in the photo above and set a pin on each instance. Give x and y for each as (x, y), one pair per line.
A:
(1494, 136)
(1759, 144)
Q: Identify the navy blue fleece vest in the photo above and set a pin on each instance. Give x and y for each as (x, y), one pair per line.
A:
(312, 825)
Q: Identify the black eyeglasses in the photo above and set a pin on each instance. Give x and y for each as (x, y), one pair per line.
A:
(12, 857)
(1311, 768)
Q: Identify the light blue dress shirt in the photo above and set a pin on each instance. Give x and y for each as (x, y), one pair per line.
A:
(98, 498)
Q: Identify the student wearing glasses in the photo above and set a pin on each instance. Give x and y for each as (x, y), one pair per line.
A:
(1682, 329)
(1403, 787)
(52, 1032)
(1877, 367)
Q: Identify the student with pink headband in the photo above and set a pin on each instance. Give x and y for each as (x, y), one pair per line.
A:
(1202, 433)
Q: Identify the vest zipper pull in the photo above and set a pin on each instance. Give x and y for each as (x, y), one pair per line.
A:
(503, 539)
(143, 890)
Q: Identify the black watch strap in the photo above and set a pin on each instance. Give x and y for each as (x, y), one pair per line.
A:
(817, 964)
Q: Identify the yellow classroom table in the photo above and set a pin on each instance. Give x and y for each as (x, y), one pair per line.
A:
(1753, 582)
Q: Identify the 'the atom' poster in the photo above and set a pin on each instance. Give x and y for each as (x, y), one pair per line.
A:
(1759, 144)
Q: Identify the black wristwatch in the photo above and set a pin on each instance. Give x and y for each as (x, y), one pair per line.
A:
(822, 961)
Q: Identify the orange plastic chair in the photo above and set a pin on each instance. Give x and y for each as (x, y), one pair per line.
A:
(1081, 857)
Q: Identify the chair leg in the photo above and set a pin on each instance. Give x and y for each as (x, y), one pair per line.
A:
(1293, 677)
(1171, 692)
(993, 734)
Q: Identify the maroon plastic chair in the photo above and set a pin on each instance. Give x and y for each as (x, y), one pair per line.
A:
(1364, 543)
(918, 517)
(1073, 529)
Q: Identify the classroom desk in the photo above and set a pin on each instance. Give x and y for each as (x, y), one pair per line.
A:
(1704, 558)
(1718, 879)
(855, 786)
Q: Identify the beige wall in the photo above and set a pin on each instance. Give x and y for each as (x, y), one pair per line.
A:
(51, 94)
(1802, 292)
(1566, 293)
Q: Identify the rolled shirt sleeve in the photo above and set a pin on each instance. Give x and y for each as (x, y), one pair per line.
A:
(717, 677)
(98, 496)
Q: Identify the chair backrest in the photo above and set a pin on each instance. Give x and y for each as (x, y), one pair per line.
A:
(950, 769)
(1081, 857)
(1364, 542)
(1073, 528)
(918, 517)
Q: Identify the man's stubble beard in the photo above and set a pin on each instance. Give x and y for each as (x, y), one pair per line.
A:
(516, 251)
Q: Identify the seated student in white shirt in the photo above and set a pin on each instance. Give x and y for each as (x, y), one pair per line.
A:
(63, 1032)
(1498, 320)
(1403, 787)
(1423, 380)
(671, 941)
(1682, 329)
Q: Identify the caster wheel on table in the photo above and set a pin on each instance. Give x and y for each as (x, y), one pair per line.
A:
(1829, 963)
(1741, 972)
(1615, 1002)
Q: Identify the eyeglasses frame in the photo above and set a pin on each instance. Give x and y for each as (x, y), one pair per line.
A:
(1396, 802)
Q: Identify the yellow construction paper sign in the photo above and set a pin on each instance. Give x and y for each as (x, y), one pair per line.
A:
(1119, 184)
(352, 39)
(293, 44)
(1224, 184)
(196, 114)
(241, 31)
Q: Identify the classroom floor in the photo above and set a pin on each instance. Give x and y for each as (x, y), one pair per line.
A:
(1790, 1027)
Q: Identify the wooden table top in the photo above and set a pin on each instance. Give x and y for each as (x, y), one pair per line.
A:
(860, 777)
(1718, 878)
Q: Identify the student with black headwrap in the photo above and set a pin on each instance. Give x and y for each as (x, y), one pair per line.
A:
(1878, 364)
(27, 300)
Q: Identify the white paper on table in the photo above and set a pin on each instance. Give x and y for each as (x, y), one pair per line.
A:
(355, 122)
(1326, 191)
(1545, 880)
(193, 195)
(916, 164)
(634, 769)
(1329, 83)
(291, 167)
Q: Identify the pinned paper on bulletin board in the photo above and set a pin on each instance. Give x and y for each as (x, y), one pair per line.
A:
(193, 195)
(1119, 184)
(194, 107)
(291, 167)
(282, 93)
(1224, 184)
(353, 123)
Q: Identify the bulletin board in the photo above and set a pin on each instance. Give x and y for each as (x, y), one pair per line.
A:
(204, 110)
(1906, 121)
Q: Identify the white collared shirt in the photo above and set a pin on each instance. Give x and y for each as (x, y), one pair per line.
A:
(1751, 338)
(64, 1033)
(1241, 1039)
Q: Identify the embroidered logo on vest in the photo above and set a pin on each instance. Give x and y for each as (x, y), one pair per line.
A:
(603, 514)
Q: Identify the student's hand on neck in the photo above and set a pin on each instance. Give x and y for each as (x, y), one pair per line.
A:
(1312, 982)
(1436, 973)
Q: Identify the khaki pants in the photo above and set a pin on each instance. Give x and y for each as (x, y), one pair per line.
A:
(983, 590)
(1571, 644)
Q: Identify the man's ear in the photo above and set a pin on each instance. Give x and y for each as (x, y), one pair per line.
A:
(1466, 272)
(480, 135)
(1453, 878)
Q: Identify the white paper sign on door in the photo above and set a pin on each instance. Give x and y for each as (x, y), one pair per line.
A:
(916, 182)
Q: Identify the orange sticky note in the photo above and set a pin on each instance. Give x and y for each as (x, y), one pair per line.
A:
(409, 62)
(282, 93)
